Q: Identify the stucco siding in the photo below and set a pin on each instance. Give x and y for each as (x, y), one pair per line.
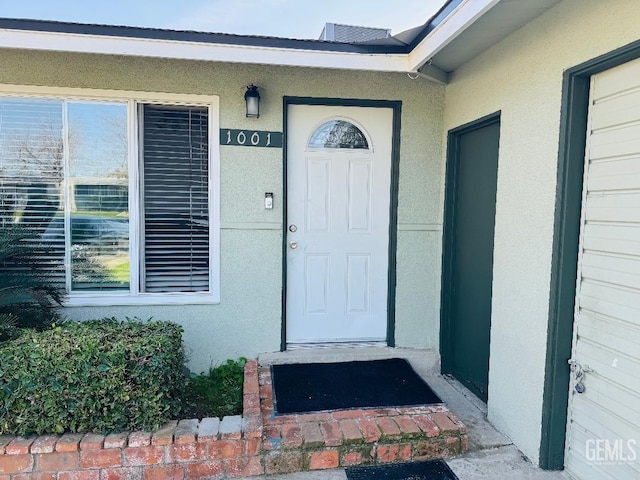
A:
(418, 304)
(522, 77)
(247, 320)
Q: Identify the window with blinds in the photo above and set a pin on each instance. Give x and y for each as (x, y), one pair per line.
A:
(66, 172)
(31, 176)
(175, 182)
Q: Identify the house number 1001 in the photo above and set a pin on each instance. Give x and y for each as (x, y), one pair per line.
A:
(250, 138)
(241, 138)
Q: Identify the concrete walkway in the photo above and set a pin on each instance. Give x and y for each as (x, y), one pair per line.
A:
(491, 455)
(493, 464)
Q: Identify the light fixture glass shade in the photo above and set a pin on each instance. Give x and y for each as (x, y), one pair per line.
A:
(252, 98)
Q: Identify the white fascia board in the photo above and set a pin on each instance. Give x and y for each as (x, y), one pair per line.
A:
(457, 22)
(142, 47)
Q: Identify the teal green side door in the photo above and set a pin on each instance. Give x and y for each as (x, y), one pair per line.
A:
(470, 208)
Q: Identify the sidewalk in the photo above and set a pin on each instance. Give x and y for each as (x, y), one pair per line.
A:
(491, 455)
(493, 464)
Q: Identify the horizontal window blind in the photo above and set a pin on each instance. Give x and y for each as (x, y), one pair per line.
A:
(175, 199)
(31, 176)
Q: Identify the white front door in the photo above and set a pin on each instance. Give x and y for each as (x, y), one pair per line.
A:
(338, 191)
(603, 430)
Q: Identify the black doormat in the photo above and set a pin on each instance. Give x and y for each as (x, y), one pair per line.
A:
(430, 470)
(316, 387)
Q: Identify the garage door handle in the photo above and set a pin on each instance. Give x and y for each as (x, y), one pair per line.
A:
(578, 371)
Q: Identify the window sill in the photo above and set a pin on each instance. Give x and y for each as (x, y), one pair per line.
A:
(118, 299)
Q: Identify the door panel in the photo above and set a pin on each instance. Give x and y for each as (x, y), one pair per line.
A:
(357, 282)
(603, 421)
(467, 286)
(359, 196)
(338, 234)
(318, 194)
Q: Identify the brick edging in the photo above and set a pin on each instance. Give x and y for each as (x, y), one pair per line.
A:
(188, 449)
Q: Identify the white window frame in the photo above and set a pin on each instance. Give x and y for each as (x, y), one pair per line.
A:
(133, 100)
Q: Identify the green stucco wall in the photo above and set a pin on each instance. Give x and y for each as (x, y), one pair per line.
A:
(522, 77)
(248, 319)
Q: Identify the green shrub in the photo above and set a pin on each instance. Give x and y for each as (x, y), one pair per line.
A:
(217, 393)
(101, 375)
(28, 295)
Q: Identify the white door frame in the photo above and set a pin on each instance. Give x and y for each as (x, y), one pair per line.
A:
(396, 107)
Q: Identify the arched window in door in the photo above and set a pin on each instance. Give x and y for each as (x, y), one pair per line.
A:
(338, 134)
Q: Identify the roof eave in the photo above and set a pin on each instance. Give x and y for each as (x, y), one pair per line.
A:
(293, 54)
(442, 29)
(119, 31)
(456, 22)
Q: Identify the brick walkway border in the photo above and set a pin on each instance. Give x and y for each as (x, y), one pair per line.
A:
(254, 444)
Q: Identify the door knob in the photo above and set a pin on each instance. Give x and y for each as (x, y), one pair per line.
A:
(293, 245)
(293, 228)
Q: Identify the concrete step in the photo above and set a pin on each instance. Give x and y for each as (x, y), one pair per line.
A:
(425, 362)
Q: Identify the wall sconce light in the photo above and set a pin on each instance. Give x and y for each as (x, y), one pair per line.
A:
(252, 98)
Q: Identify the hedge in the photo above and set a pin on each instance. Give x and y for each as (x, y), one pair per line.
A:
(97, 376)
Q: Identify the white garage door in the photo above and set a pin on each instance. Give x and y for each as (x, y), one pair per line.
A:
(603, 431)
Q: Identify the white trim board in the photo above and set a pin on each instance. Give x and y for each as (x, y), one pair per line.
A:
(446, 32)
(144, 47)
